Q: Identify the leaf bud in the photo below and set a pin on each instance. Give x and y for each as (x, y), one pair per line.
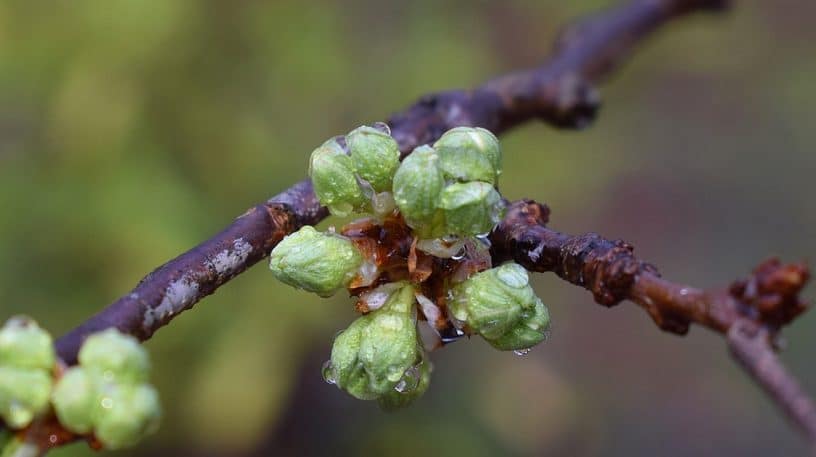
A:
(374, 155)
(24, 344)
(471, 208)
(316, 262)
(115, 357)
(126, 414)
(500, 305)
(469, 154)
(371, 357)
(417, 186)
(75, 400)
(334, 180)
(24, 394)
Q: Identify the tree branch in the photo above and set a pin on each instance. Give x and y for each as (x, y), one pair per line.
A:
(560, 92)
(749, 312)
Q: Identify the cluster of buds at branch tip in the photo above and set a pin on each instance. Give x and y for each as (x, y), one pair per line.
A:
(420, 259)
(26, 365)
(107, 394)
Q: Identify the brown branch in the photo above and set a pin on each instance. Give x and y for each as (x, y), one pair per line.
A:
(749, 312)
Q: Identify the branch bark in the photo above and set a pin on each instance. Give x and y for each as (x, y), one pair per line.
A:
(562, 93)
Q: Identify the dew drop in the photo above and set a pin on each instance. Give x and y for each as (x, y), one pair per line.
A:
(409, 380)
(522, 352)
(328, 372)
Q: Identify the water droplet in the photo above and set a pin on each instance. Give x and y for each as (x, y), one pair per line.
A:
(409, 380)
(52, 439)
(107, 402)
(522, 352)
(328, 372)
(450, 335)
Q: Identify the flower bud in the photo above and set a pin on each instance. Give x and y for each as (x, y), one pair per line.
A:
(530, 330)
(115, 356)
(317, 262)
(24, 344)
(375, 156)
(75, 400)
(500, 305)
(126, 414)
(469, 154)
(24, 394)
(334, 180)
(372, 355)
(417, 185)
(413, 385)
(471, 208)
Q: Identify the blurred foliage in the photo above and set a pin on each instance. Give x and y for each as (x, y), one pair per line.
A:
(130, 130)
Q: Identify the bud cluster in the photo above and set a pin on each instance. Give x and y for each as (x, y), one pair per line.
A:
(422, 256)
(108, 393)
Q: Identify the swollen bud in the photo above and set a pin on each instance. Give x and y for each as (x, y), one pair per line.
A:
(530, 330)
(23, 344)
(500, 305)
(115, 356)
(471, 208)
(75, 400)
(334, 180)
(317, 262)
(417, 186)
(374, 155)
(24, 394)
(469, 154)
(126, 414)
(371, 357)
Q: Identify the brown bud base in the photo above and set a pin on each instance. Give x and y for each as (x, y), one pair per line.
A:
(391, 246)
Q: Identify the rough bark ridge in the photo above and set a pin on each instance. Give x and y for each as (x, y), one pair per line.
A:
(561, 92)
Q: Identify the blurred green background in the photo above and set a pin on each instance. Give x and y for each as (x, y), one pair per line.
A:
(130, 130)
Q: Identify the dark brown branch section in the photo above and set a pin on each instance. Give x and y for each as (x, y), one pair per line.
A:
(749, 312)
(559, 92)
(177, 285)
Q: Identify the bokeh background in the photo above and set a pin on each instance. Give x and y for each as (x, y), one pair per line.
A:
(131, 130)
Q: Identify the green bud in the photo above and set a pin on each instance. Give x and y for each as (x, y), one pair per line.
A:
(471, 208)
(417, 185)
(500, 305)
(115, 356)
(530, 330)
(375, 156)
(126, 414)
(317, 262)
(334, 180)
(75, 400)
(24, 394)
(412, 386)
(469, 154)
(24, 344)
(371, 357)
